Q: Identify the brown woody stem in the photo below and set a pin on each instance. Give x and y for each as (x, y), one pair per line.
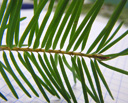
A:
(98, 56)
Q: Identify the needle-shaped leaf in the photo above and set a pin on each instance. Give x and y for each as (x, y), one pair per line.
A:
(76, 67)
(3, 97)
(34, 29)
(66, 63)
(35, 78)
(90, 93)
(66, 80)
(33, 58)
(77, 70)
(59, 78)
(36, 24)
(76, 21)
(74, 14)
(22, 61)
(43, 24)
(97, 40)
(97, 81)
(3, 73)
(114, 42)
(48, 73)
(82, 80)
(51, 78)
(31, 35)
(89, 78)
(22, 75)
(45, 86)
(102, 78)
(88, 27)
(57, 72)
(14, 76)
(112, 22)
(13, 21)
(29, 56)
(54, 23)
(22, 18)
(5, 19)
(35, 5)
(65, 19)
(114, 68)
(82, 25)
(32, 22)
(115, 55)
(115, 32)
(85, 33)
(2, 9)
(17, 28)
(56, 58)
(47, 61)
(74, 73)
(72, 69)
(25, 65)
(107, 29)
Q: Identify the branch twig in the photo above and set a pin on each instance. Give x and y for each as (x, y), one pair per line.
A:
(98, 56)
